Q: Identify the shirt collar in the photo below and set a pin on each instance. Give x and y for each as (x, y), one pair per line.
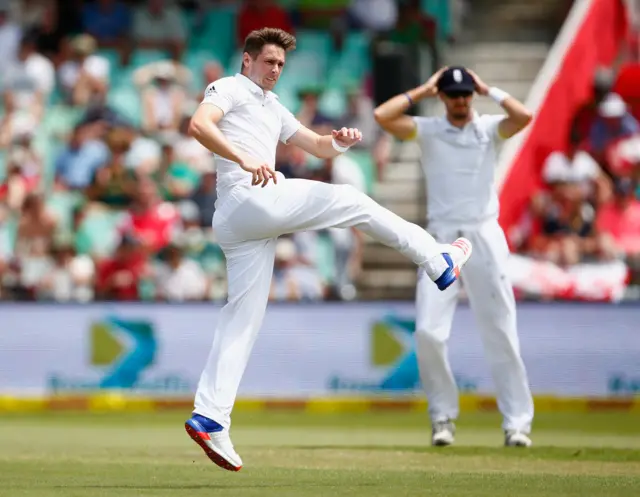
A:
(254, 88)
(473, 123)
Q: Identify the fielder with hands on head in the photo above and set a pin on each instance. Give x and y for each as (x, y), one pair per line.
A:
(459, 156)
(241, 120)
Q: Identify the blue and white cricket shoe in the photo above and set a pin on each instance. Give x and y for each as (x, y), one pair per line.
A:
(456, 257)
(215, 441)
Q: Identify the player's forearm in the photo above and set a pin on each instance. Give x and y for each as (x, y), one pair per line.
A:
(516, 111)
(399, 105)
(210, 137)
(324, 148)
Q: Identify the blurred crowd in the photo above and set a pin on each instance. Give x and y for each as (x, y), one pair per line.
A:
(95, 204)
(588, 209)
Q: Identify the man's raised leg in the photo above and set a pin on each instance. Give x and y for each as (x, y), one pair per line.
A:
(299, 205)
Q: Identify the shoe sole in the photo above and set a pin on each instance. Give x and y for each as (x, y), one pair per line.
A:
(441, 443)
(216, 458)
(517, 444)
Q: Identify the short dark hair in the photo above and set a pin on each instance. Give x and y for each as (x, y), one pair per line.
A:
(257, 39)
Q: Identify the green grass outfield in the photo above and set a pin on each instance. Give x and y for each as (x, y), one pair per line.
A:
(328, 455)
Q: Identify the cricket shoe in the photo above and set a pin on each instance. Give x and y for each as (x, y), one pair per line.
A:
(457, 256)
(215, 441)
(515, 438)
(442, 433)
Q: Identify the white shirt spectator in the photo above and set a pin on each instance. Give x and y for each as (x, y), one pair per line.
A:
(95, 65)
(168, 26)
(191, 151)
(377, 15)
(10, 34)
(253, 121)
(72, 282)
(24, 78)
(558, 167)
(144, 153)
(186, 282)
(459, 167)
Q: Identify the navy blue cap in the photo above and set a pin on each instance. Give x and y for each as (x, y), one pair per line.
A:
(456, 79)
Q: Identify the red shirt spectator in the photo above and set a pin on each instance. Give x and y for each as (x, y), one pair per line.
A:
(621, 218)
(118, 278)
(152, 225)
(257, 14)
(150, 221)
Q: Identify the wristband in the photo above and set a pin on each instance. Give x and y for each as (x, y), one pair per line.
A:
(498, 95)
(337, 147)
(409, 98)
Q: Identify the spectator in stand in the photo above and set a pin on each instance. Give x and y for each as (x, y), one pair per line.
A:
(293, 281)
(378, 16)
(24, 167)
(109, 22)
(180, 279)
(29, 80)
(578, 164)
(85, 77)
(30, 13)
(190, 150)
(623, 157)
(118, 278)
(144, 154)
(114, 185)
(198, 244)
(13, 190)
(291, 161)
(10, 34)
(158, 25)
(70, 277)
(152, 221)
(175, 179)
(35, 228)
(211, 71)
(309, 114)
(23, 154)
(612, 123)
(51, 33)
(585, 116)
(256, 14)
(205, 197)
(568, 234)
(163, 101)
(180, 74)
(415, 28)
(359, 115)
(78, 162)
(621, 218)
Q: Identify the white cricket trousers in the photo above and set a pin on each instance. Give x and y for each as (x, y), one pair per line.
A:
(492, 301)
(247, 223)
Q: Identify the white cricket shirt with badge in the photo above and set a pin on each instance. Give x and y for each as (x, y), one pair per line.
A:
(254, 121)
(459, 167)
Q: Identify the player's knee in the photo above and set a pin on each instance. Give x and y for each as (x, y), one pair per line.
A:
(350, 192)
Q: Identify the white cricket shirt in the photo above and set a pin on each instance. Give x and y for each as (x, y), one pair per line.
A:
(459, 167)
(254, 121)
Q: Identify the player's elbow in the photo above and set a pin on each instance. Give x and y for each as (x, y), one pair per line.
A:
(195, 128)
(378, 115)
(527, 118)
(383, 122)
